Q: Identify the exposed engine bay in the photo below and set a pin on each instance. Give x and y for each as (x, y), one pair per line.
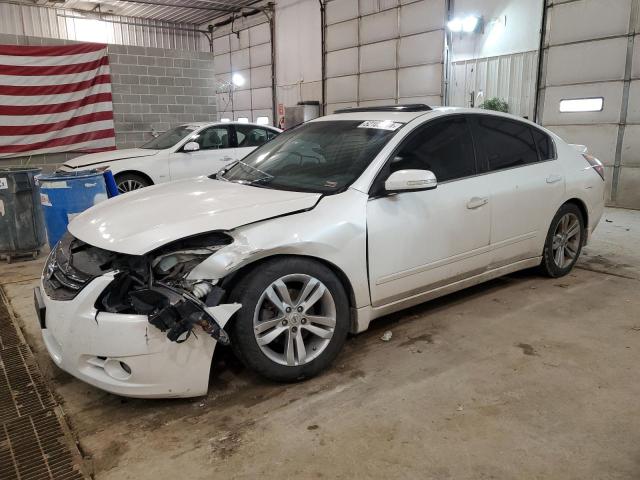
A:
(154, 285)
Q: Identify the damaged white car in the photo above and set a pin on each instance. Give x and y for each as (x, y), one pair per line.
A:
(314, 234)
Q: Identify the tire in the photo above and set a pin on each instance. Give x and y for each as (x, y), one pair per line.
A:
(566, 235)
(266, 337)
(127, 182)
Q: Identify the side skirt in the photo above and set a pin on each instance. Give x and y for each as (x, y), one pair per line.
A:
(365, 315)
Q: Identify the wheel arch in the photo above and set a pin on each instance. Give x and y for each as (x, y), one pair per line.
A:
(230, 281)
(583, 209)
(134, 172)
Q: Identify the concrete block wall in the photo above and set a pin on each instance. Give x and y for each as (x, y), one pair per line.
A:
(153, 90)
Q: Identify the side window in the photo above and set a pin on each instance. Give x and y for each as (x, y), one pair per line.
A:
(545, 145)
(213, 138)
(271, 134)
(250, 136)
(506, 143)
(445, 148)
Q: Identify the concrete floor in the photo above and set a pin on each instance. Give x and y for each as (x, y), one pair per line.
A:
(523, 377)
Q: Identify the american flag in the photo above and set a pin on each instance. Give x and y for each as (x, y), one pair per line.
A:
(55, 99)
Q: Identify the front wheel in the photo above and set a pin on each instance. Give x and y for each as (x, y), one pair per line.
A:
(128, 182)
(294, 319)
(564, 241)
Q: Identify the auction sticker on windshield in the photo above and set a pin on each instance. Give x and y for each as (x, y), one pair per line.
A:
(381, 124)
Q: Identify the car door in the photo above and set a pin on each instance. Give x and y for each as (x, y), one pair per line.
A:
(418, 241)
(216, 151)
(527, 185)
(249, 137)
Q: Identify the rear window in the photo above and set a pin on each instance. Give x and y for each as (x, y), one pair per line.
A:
(545, 145)
(506, 143)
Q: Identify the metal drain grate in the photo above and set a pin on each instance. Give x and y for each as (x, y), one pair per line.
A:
(34, 447)
(33, 444)
(8, 333)
(22, 391)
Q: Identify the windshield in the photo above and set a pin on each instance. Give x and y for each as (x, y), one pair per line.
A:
(322, 157)
(169, 138)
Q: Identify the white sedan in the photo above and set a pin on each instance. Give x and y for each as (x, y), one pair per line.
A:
(315, 234)
(185, 151)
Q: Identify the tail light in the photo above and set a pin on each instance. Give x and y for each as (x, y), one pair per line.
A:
(595, 164)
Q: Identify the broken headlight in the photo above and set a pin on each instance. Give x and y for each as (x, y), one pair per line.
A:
(162, 292)
(173, 262)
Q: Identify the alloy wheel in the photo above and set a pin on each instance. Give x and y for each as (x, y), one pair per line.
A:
(566, 240)
(129, 185)
(294, 319)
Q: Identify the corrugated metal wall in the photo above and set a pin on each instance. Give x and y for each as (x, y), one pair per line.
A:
(34, 21)
(384, 51)
(509, 77)
(592, 49)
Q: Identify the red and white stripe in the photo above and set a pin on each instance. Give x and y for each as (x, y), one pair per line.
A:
(55, 99)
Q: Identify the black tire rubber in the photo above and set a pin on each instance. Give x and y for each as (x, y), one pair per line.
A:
(123, 177)
(548, 266)
(248, 291)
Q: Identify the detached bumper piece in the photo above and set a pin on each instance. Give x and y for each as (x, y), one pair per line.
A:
(169, 309)
(179, 313)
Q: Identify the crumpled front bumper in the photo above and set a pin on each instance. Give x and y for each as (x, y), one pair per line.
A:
(123, 354)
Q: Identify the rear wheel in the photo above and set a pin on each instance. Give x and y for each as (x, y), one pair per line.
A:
(127, 182)
(564, 241)
(294, 319)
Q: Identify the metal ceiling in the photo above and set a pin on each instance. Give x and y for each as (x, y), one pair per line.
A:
(197, 12)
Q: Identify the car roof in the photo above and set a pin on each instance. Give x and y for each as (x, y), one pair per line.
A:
(213, 124)
(378, 113)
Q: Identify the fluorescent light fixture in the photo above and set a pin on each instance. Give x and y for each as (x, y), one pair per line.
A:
(262, 120)
(225, 120)
(470, 23)
(575, 105)
(243, 120)
(237, 79)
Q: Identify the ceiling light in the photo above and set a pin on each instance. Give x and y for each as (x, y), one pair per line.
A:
(455, 25)
(237, 79)
(470, 24)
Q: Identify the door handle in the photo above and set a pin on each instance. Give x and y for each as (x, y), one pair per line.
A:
(554, 179)
(477, 202)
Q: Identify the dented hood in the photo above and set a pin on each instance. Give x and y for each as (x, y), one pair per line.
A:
(110, 156)
(140, 221)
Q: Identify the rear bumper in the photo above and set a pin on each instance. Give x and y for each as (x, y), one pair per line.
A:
(123, 354)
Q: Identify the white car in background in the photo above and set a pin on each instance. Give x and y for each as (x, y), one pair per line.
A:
(188, 150)
(330, 225)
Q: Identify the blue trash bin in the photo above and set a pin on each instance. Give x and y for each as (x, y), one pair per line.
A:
(63, 195)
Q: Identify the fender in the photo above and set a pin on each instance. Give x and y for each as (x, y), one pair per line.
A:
(311, 234)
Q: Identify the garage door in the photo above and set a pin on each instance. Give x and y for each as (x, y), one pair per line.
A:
(384, 52)
(246, 53)
(591, 86)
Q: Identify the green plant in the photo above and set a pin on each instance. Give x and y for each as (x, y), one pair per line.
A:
(495, 104)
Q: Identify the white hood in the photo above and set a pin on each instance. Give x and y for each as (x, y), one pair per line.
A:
(110, 156)
(143, 220)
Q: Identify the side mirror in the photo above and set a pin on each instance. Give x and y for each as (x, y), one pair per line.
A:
(191, 147)
(410, 181)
